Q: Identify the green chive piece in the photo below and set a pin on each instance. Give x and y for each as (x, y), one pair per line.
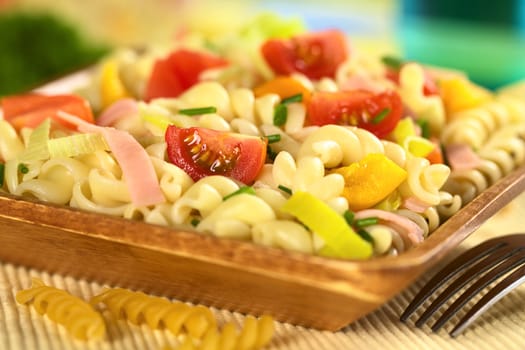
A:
(425, 127)
(285, 189)
(349, 217)
(280, 115)
(194, 222)
(23, 168)
(273, 138)
(293, 98)
(366, 222)
(270, 153)
(381, 116)
(444, 153)
(243, 189)
(392, 62)
(198, 111)
(365, 235)
(2, 174)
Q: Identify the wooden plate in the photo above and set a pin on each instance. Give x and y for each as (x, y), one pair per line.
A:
(240, 276)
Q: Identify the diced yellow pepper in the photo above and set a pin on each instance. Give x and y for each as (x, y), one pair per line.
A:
(405, 135)
(370, 180)
(341, 241)
(111, 86)
(458, 93)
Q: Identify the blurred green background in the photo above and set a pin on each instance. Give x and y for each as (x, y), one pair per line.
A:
(43, 39)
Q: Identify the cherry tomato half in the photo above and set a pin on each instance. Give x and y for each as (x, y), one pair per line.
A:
(179, 71)
(29, 110)
(203, 152)
(315, 55)
(377, 113)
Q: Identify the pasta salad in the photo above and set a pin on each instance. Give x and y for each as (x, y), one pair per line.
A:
(277, 135)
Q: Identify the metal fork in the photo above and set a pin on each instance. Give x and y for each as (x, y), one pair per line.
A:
(487, 261)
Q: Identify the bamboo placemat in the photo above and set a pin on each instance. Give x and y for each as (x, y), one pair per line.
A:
(501, 326)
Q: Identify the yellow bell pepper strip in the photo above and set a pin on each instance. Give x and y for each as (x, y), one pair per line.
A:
(458, 93)
(285, 87)
(111, 86)
(405, 135)
(341, 241)
(370, 180)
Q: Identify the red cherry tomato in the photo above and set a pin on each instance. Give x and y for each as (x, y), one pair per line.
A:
(203, 152)
(29, 110)
(179, 71)
(377, 113)
(315, 55)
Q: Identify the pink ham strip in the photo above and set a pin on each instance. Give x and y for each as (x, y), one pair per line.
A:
(403, 225)
(136, 166)
(121, 109)
(461, 157)
(414, 204)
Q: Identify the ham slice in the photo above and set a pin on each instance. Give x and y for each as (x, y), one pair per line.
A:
(462, 157)
(121, 109)
(137, 169)
(408, 229)
(415, 205)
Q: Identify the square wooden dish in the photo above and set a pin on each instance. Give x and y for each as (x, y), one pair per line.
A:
(240, 276)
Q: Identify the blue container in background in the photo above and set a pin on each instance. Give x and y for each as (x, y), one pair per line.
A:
(486, 39)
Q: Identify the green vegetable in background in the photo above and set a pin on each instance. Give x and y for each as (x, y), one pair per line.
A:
(38, 47)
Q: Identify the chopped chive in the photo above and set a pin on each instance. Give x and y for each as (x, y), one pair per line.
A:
(273, 138)
(244, 189)
(293, 98)
(381, 116)
(444, 153)
(280, 115)
(194, 222)
(198, 111)
(392, 62)
(365, 235)
(425, 127)
(366, 222)
(270, 153)
(284, 189)
(2, 172)
(23, 168)
(349, 217)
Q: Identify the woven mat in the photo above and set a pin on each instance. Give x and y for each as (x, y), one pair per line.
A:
(500, 327)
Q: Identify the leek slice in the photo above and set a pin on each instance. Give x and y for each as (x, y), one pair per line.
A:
(78, 144)
(341, 241)
(37, 145)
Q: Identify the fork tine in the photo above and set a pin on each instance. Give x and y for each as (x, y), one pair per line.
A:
(493, 296)
(462, 261)
(475, 288)
(475, 270)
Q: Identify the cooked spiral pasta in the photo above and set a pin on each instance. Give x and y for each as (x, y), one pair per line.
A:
(254, 334)
(10, 144)
(308, 175)
(475, 126)
(429, 108)
(502, 153)
(235, 217)
(156, 312)
(424, 180)
(78, 317)
(428, 220)
(338, 145)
